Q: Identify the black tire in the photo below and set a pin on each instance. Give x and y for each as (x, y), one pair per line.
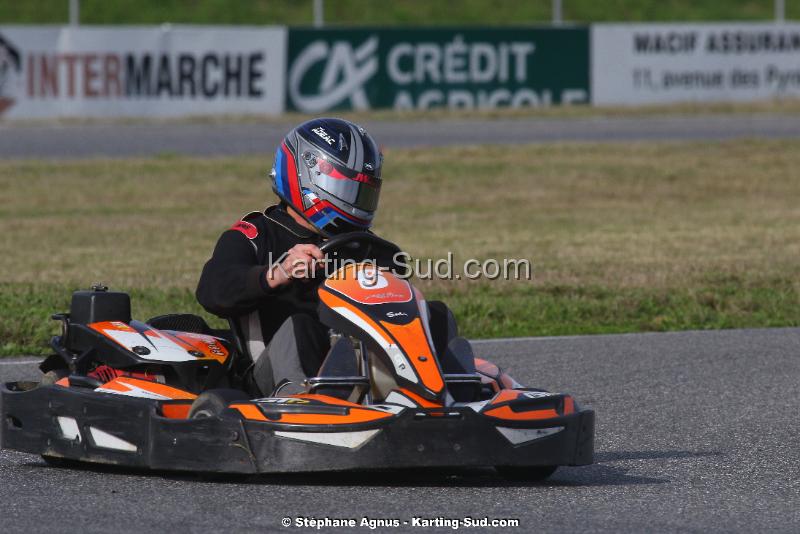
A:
(214, 402)
(55, 461)
(51, 377)
(530, 473)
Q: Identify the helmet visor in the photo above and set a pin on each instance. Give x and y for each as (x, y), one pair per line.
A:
(356, 189)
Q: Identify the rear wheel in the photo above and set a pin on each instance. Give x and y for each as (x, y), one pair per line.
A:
(527, 472)
(215, 401)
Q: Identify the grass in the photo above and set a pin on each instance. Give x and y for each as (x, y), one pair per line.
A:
(371, 12)
(783, 106)
(623, 237)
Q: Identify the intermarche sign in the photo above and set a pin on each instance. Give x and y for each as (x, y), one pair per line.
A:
(162, 71)
(403, 68)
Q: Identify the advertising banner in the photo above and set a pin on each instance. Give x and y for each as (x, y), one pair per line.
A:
(50, 71)
(413, 68)
(661, 63)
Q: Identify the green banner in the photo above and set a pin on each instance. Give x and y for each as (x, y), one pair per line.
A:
(414, 68)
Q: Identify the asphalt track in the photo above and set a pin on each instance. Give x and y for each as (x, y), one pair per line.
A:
(231, 138)
(696, 432)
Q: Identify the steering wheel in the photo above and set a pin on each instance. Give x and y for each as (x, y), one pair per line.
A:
(360, 245)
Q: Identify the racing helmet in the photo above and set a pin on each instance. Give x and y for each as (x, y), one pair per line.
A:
(329, 171)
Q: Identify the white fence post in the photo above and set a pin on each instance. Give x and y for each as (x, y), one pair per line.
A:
(319, 14)
(780, 10)
(558, 16)
(74, 12)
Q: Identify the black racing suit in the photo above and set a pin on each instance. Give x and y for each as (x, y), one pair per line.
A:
(233, 285)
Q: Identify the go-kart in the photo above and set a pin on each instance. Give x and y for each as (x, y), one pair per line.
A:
(167, 394)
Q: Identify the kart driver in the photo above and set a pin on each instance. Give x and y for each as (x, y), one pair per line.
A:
(327, 175)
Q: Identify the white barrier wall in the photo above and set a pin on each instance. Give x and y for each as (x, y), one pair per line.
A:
(166, 71)
(145, 71)
(661, 63)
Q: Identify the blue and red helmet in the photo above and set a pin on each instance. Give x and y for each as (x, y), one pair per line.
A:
(329, 171)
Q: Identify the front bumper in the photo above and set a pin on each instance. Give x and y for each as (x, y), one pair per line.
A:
(112, 429)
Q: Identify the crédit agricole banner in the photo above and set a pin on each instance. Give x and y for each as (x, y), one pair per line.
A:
(417, 68)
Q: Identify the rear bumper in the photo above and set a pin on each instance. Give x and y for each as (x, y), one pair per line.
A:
(75, 424)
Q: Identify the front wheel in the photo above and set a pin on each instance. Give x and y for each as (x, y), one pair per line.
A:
(213, 402)
(526, 472)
